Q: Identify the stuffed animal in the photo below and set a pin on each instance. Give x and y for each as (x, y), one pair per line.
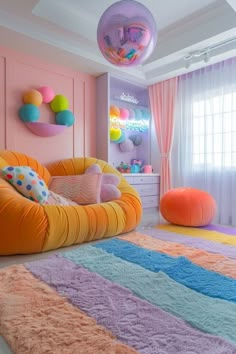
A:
(110, 181)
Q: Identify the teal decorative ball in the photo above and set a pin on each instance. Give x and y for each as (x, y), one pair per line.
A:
(65, 117)
(121, 139)
(29, 113)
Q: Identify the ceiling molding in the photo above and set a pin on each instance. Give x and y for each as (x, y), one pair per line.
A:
(209, 26)
(232, 3)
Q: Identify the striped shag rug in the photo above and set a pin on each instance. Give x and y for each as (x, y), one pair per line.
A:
(172, 290)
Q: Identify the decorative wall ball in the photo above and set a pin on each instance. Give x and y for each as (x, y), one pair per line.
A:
(122, 138)
(65, 118)
(124, 113)
(126, 33)
(131, 114)
(146, 114)
(33, 97)
(126, 146)
(29, 113)
(136, 139)
(138, 114)
(59, 103)
(47, 93)
(114, 112)
(115, 134)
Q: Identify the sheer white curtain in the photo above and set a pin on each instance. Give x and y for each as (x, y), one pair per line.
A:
(204, 147)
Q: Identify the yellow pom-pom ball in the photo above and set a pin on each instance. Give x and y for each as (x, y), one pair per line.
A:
(115, 134)
(33, 97)
(114, 112)
(59, 103)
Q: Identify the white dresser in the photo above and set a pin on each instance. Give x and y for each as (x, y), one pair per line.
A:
(148, 187)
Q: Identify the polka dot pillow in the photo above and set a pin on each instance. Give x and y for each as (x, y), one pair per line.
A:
(27, 182)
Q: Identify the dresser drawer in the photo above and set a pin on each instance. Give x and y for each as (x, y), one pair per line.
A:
(145, 179)
(129, 179)
(147, 189)
(150, 201)
(147, 186)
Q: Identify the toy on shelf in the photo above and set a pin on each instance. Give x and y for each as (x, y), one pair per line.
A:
(123, 168)
(135, 166)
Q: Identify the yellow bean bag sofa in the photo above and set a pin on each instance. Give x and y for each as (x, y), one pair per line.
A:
(28, 227)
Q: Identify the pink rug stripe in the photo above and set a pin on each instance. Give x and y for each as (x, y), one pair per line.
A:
(210, 246)
(216, 262)
(35, 319)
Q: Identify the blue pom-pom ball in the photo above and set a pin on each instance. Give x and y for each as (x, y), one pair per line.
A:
(65, 117)
(138, 114)
(29, 113)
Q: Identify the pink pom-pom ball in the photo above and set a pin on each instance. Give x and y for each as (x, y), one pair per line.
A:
(47, 93)
(124, 113)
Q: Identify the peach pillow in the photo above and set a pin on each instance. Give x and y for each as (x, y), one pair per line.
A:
(82, 189)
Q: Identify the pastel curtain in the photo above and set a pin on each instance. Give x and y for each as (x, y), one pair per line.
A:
(204, 145)
(162, 101)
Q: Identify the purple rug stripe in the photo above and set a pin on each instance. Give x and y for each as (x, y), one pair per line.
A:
(195, 242)
(132, 320)
(219, 228)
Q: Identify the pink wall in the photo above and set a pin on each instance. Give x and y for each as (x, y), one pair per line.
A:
(18, 73)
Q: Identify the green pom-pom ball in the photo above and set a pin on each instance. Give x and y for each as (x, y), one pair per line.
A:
(59, 103)
(29, 113)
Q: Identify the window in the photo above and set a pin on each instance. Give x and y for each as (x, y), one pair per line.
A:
(214, 131)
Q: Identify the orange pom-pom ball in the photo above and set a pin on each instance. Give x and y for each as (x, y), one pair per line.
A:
(188, 207)
(33, 97)
(114, 112)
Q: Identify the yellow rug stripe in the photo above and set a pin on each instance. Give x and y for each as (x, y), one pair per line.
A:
(200, 233)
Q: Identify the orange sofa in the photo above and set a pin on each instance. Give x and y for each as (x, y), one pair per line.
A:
(28, 227)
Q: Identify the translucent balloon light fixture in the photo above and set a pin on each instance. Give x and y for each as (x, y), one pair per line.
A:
(126, 33)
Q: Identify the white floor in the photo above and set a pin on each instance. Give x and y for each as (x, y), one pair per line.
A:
(150, 218)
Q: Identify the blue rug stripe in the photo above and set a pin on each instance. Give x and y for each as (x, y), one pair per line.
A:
(179, 269)
(212, 315)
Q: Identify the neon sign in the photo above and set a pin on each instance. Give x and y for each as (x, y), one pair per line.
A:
(136, 125)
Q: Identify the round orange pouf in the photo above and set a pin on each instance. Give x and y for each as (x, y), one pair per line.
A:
(188, 207)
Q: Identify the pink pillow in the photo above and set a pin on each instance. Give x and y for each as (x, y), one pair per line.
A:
(110, 181)
(95, 168)
(109, 192)
(82, 189)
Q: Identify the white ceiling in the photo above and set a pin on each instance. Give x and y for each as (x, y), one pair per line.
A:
(64, 31)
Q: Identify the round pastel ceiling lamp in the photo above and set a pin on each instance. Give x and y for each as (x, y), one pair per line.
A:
(126, 33)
